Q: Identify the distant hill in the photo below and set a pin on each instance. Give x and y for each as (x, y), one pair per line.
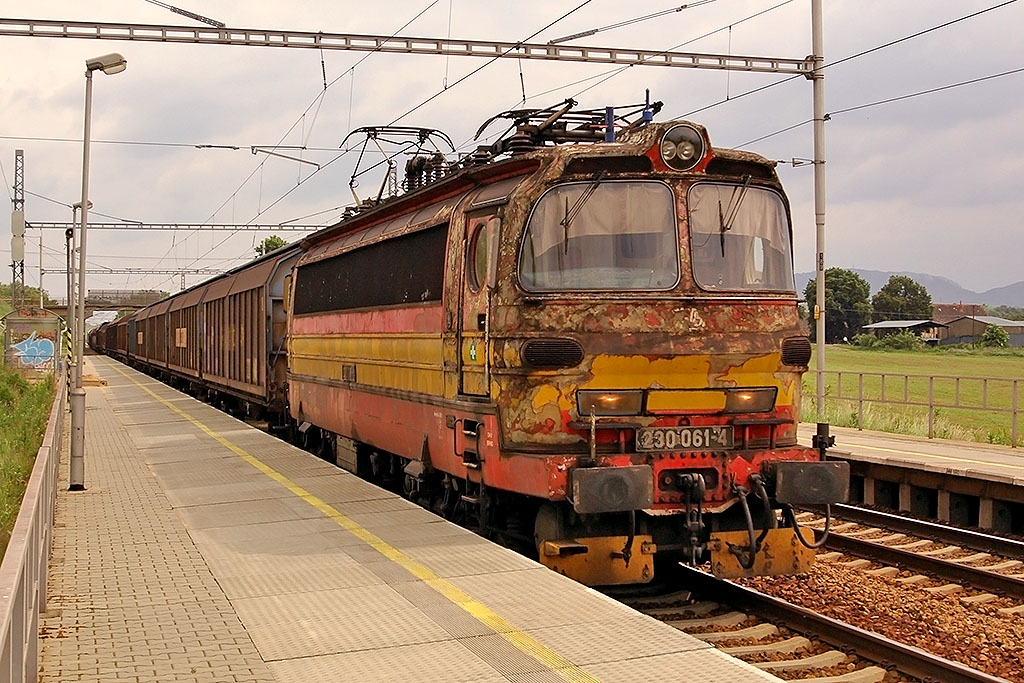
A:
(942, 289)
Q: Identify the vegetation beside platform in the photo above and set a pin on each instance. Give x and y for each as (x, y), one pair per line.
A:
(24, 409)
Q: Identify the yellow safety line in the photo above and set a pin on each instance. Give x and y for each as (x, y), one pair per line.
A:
(931, 455)
(522, 640)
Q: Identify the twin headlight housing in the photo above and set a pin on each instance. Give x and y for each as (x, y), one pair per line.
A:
(682, 147)
(620, 403)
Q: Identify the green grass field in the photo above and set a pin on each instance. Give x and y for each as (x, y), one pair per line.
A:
(24, 409)
(968, 409)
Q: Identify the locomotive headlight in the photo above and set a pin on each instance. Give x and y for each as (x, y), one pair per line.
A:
(609, 402)
(686, 150)
(753, 400)
(668, 150)
(682, 147)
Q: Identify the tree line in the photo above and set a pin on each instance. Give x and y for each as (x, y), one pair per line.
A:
(849, 305)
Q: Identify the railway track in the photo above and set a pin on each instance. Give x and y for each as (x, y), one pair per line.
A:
(945, 533)
(959, 557)
(791, 641)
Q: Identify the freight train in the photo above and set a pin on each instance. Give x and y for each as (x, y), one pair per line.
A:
(582, 338)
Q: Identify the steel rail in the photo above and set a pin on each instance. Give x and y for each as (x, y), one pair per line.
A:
(965, 538)
(977, 577)
(905, 658)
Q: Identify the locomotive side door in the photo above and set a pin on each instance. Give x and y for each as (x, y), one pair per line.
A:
(479, 258)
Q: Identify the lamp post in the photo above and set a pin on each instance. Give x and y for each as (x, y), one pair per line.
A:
(108, 64)
(69, 236)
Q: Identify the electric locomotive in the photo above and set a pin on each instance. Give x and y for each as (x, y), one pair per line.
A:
(583, 337)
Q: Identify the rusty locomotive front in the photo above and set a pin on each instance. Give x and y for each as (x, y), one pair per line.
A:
(582, 338)
(591, 346)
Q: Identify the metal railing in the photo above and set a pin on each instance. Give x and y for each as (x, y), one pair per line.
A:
(931, 393)
(23, 571)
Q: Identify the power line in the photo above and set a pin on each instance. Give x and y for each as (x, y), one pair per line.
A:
(920, 33)
(627, 22)
(927, 92)
(853, 56)
(490, 61)
(612, 73)
(888, 100)
(429, 99)
(194, 227)
(318, 98)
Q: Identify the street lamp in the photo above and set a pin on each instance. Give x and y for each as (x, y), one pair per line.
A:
(108, 64)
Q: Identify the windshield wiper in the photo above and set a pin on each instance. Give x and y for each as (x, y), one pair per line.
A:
(725, 220)
(571, 213)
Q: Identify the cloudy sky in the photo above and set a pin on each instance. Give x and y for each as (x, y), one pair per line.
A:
(928, 184)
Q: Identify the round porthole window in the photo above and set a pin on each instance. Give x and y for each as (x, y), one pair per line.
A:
(476, 261)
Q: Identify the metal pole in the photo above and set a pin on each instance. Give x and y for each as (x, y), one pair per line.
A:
(40, 269)
(77, 478)
(818, 93)
(72, 314)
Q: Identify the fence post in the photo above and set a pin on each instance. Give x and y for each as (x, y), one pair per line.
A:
(931, 407)
(860, 401)
(1013, 422)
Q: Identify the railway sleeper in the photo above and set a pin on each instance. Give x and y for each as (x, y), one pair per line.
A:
(870, 674)
(727, 619)
(779, 646)
(751, 633)
(697, 608)
(681, 598)
(824, 660)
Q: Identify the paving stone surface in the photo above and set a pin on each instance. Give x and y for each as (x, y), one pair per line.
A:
(204, 550)
(130, 596)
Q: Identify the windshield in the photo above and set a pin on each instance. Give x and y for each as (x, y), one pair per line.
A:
(739, 238)
(602, 235)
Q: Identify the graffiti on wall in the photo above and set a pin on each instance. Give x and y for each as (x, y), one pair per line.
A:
(35, 351)
(31, 342)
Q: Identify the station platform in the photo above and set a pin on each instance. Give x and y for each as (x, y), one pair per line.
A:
(206, 550)
(988, 462)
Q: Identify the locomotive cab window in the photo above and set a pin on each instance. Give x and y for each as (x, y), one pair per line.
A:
(739, 238)
(601, 236)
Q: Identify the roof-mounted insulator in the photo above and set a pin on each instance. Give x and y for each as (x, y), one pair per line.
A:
(481, 156)
(520, 143)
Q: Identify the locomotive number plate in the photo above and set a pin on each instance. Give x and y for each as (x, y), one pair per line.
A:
(684, 438)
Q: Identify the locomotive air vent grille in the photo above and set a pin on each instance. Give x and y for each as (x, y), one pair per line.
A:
(796, 351)
(608, 164)
(552, 353)
(734, 167)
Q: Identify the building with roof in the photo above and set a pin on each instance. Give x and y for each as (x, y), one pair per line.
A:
(928, 330)
(943, 313)
(968, 329)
